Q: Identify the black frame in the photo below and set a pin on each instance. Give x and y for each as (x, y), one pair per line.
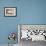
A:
(10, 16)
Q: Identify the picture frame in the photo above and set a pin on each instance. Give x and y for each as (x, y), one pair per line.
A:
(39, 28)
(10, 11)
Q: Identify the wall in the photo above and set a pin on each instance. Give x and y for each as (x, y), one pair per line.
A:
(33, 12)
(28, 12)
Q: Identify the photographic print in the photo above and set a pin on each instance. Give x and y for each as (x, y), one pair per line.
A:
(10, 11)
(33, 32)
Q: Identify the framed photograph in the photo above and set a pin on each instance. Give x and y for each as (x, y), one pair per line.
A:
(10, 11)
(33, 32)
